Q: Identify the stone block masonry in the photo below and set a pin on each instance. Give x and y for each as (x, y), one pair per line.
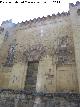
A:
(22, 98)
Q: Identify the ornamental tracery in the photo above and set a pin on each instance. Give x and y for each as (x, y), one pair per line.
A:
(35, 52)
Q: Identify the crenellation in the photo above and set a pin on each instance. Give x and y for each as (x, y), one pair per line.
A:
(77, 3)
(35, 21)
(58, 14)
(63, 13)
(71, 5)
(38, 19)
(53, 15)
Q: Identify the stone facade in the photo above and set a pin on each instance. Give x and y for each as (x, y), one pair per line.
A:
(42, 54)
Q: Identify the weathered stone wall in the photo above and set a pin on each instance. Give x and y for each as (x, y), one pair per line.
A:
(17, 76)
(44, 32)
(46, 78)
(75, 19)
(66, 73)
(23, 98)
(37, 40)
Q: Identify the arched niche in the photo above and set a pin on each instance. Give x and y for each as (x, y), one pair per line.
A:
(33, 55)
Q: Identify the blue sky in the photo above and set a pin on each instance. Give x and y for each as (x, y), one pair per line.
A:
(19, 12)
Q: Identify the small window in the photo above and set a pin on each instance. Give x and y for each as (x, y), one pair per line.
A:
(78, 12)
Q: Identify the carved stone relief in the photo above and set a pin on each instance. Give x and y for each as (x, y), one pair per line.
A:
(35, 52)
(65, 50)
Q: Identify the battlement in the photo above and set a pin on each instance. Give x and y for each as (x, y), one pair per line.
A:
(48, 17)
(42, 19)
(74, 5)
